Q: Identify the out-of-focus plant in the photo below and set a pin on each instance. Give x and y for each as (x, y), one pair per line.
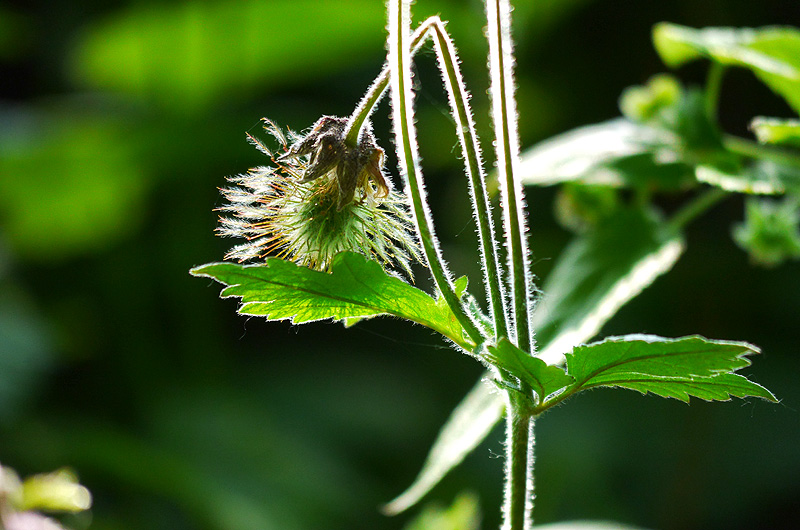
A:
(325, 229)
(21, 501)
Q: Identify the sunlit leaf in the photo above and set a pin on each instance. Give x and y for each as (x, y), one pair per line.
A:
(471, 421)
(676, 368)
(355, 287)
(543, 378)
(776, 131)
(771, 53)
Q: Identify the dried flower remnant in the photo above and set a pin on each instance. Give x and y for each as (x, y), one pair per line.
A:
(320, 197)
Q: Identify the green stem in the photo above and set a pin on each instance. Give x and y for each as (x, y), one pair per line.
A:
(507, 147)
(405, 134)
(751, 149)
(468, 138)
(713, 87)
(519, 463)
(696, 207)
(378, 87)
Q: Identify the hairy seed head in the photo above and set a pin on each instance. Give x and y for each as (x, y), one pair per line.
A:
(320, 197)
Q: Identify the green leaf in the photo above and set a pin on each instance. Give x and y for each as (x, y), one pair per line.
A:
(596, 275)
(612, 153)
(676, 368)
(471, 421)
(543, 378)
(771, 53)
(776, 131)
(355, 287)
(762, 178)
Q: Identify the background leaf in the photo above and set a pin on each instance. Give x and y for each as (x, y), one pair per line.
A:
(355, 287)
(771, 53)
(597, 274)
(776, 131)
(677, 368)
(617, 152)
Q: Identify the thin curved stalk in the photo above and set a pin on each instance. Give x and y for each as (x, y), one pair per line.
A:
(408, 155)
(378, 87)
(468, 138)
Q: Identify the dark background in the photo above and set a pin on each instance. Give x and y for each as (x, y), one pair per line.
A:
(119, 120)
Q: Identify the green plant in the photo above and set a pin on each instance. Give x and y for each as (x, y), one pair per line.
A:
(613, 174)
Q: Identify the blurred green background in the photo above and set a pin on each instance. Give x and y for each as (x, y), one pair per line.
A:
(119, 120)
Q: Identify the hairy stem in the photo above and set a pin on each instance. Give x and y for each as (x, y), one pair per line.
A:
(468, 138)
(408, 155)
(378, 88)
(518, 507)
(504, 116)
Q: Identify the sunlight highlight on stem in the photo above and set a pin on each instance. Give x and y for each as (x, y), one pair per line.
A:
(504, 116)
(468, 138)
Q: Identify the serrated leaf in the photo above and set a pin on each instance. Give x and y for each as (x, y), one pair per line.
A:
(471, 421)
(771, 53)
(776, 131)
(355, 288)
(543, 378)
(676, 368)
(588, 285)
(614, 153)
